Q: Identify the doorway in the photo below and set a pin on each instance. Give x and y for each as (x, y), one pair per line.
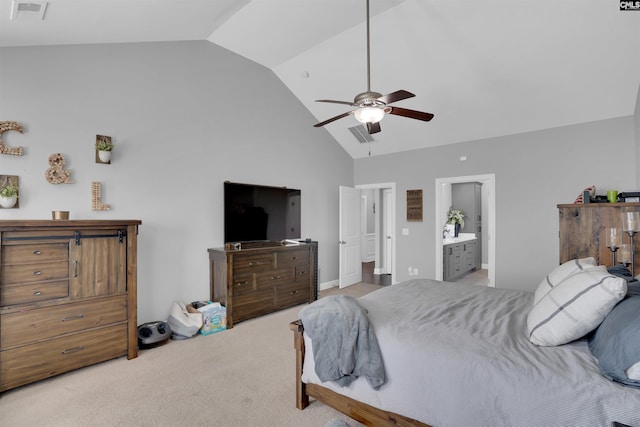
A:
(443, 202)
(377, 245)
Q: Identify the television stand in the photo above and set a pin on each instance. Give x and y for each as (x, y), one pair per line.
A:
(262, 278)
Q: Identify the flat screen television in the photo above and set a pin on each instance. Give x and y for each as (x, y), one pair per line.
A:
(260, 213)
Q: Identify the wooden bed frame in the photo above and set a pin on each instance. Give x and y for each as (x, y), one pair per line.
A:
(361, 412)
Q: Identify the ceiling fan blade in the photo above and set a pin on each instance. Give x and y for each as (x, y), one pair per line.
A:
(336, 102)
(412, 114)
(373, 128)
(396, 96)
(333, 119)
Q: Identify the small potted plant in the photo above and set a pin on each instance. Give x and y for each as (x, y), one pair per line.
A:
(104, 147)
(8, 196)
(456, 217)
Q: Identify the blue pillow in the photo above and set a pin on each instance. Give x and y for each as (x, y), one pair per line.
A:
(616, 342)
(633, 289)
(621, 270)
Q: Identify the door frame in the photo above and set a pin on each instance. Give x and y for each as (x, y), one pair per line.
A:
(382, 243)
(490, 181)
(388, 226)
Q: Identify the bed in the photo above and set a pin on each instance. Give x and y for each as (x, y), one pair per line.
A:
(462, 355)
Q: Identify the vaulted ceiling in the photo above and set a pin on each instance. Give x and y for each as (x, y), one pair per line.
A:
(485, 68)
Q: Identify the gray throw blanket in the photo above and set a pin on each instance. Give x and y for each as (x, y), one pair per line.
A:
(344, 343)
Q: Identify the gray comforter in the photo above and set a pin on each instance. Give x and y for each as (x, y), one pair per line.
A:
(344, 343)
(459, 356)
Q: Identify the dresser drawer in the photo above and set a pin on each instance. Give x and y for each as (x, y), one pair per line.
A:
(251, 305)
(260, 297)
(250, 263)
(20, 328)
(303, 273)
(30, 363)
(22, 294)
(242, 284)
(269, 279)
(292, 258)
(294, 294)
(26, 273)
(35, 253)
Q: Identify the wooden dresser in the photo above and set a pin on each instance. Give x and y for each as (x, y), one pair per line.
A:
(262, 278)
(68, 294)
(583, 231)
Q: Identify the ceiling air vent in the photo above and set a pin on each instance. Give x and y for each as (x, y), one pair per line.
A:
(361, 134)
(28, 10)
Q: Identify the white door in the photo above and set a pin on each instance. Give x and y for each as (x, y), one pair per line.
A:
(389, 228)
(350, 259)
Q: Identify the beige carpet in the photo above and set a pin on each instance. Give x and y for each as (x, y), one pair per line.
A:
(240, 377)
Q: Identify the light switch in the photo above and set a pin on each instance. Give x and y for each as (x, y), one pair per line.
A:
(405, 231)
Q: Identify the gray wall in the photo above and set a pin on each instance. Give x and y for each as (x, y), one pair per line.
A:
(184, 117)
(534, 172)
(637, 136)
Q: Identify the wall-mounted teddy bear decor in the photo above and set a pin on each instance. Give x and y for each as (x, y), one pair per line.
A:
(4, 127)
(56, 174)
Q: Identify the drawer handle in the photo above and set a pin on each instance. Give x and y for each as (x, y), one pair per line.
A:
(37, 252)
(293, 292)
(74, 317)
(73, 350)
(255, 263)
(275, 277)
(242, 283)
(302, 272)
(294, 257)
(75, 268)
(37, 293)
(37, 273)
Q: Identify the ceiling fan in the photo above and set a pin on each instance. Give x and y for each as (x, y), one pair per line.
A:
(372, 106)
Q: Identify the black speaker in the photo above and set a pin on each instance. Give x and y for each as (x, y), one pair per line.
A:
(153, 333)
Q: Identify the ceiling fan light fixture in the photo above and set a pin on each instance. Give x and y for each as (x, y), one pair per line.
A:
(369, 114)
(372, 106)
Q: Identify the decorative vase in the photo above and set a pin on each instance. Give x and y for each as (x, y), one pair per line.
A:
(456, 230)
(8, 202)
(104, 156)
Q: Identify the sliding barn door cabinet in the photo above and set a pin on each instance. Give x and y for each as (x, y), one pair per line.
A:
(68, 296)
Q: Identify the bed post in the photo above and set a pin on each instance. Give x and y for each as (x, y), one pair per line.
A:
(302, 400)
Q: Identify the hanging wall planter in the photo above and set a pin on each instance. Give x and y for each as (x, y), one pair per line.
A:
(8, 202)
(104, 146)
(8, 194)
(104, 156)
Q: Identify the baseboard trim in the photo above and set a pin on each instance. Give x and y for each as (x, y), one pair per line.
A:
(328, 285)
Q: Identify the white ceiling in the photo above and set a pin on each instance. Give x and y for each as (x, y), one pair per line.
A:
(485, 68)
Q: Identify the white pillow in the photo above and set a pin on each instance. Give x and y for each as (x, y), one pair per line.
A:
(561, 273)
(575, 306)
(634, 371)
